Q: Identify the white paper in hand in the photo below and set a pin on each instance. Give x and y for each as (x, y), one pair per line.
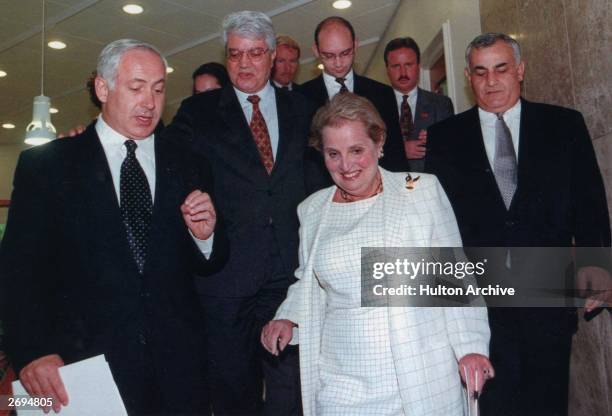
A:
(91, 390)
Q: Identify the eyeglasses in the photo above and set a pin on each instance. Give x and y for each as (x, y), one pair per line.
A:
(326, 56)
(255, 54)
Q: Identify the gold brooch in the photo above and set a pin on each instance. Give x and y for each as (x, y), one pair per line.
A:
(410, 182)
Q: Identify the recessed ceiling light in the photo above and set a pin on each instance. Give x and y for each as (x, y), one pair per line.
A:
(53, 110)
(3, 74)
(342, 4)
(56, 44)
(133, 9)
(320, 66)
(8, 126)
(169, 70)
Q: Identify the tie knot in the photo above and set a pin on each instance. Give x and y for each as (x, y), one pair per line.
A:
(500, 116)
(131, 146)
(404, 99)
(253, 99)
(340, 80)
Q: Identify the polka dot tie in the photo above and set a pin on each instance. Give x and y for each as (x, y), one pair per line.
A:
(260, 134)
(504, 162)
(136, 204)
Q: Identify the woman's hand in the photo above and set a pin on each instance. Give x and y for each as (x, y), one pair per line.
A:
(475, 370)
(276, 335)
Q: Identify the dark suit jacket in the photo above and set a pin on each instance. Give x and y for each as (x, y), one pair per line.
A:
(68, 278)
(252, 203)
(383, 98)
(560, 195)
(430, 109)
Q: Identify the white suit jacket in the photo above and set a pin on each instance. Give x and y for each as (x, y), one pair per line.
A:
(426, 342)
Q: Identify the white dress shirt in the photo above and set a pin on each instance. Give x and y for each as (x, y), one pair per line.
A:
(512, 117)
(333, 87)
(288, 86)
(115, 152)
(412, 100)
(267, 106)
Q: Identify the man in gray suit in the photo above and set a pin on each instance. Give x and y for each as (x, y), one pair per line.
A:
(418, 109)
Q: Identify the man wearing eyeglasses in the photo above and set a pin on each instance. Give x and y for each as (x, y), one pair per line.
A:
(255, 137)
(335, 46)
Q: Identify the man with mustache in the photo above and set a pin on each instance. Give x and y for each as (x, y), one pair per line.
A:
(335, 44)
(418, 109)
(255, 137)
(522, 174)
(104, 234)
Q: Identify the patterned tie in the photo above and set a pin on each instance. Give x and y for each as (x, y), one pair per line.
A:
(260, 134)
(504, 163)
(136, 204)
(342, 84)
(406, 123)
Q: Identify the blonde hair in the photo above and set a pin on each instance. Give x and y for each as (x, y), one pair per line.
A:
(346, 106)
(289, 42)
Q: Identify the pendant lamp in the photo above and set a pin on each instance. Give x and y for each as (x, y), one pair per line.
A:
(40, 130)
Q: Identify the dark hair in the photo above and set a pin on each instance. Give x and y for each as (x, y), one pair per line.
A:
(333, 19)
(399, 43)
(215, 69)
(91, 89)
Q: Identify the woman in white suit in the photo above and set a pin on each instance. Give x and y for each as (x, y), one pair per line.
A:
(372, 361)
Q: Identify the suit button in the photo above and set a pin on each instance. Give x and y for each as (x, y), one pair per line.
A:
(510, 223)
(142, 339)
(270, 221)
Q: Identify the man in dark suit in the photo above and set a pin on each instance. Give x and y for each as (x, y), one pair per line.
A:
(553, 197)
(104, 234)
(286, 63)
(255, 137)
(418, 109)
(335, 45)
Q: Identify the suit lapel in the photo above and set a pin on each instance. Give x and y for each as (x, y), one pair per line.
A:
(102, 211)
(321, 91)
(237, 134)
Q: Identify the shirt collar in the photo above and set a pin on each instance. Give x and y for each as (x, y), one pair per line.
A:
(265, 94)
(513, 112)
(110, 138)
(331, 80)
(411, 94)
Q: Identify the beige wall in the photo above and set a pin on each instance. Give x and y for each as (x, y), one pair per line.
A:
(8, 160)
(567, 48)
(422, 20)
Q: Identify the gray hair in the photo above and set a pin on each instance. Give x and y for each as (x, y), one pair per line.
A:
(487, 39)
(108, 61)
(250, 25)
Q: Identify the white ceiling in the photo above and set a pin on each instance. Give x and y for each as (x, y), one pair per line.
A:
(186, 31)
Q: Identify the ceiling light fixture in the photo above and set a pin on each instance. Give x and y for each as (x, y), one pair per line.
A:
(3, 74)
(169, 70)
(40, 130)
(8, 126)
(341, 4)
(57, 44)
(133, 9)
(320, 66)
(53, 110)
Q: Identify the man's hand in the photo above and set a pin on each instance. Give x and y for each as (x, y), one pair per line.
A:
(41, 379)
(475, 370)
(199, 214)
(596, 283)
(276, 335)
(415, 149)
(72, 132)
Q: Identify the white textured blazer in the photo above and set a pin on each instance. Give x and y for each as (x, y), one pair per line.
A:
(426, 343)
